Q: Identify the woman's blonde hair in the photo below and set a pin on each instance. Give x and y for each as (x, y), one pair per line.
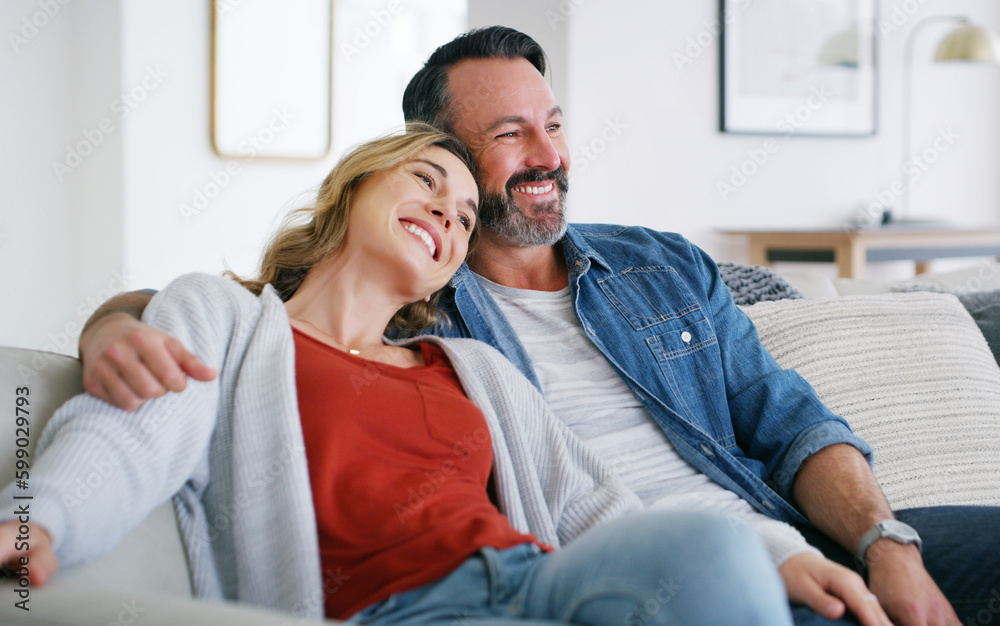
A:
(310, 234)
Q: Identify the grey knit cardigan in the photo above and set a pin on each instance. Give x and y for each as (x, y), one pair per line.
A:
(230, 453)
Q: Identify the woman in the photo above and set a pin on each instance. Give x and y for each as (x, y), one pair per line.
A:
(430, 475)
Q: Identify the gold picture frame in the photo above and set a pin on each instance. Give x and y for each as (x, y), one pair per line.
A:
(272, 93)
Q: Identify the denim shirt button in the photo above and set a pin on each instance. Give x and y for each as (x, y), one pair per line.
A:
(768, 504)
(686, 337)
(707, 450)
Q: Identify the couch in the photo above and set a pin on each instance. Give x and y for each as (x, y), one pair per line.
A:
(906, 364)
(912, 366)
(144, 580)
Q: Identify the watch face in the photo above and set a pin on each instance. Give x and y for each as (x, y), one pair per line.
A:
(898, 530)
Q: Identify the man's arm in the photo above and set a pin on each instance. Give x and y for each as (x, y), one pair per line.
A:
(126, 362)
(831, 483)
(838, 492)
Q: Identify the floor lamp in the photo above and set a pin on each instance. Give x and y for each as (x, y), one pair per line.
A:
(967, 42)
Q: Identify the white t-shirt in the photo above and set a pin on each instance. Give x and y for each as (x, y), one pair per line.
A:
(591, 398)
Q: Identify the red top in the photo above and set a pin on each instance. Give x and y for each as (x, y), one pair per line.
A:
(399, 462)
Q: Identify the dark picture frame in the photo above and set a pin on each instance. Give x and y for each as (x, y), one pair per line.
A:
(799, 67)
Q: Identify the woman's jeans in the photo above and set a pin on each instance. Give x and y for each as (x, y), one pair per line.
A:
(654, 567)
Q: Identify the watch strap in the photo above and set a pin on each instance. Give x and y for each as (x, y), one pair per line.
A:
(874, 534)
(885, 529)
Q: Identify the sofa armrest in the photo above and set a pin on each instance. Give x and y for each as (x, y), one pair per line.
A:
(63, 604)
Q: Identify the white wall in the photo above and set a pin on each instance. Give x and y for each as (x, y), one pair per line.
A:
(114, 222)
(546, 21)
(60, 232)
(141, 69)
(169, 158)
(664, 168)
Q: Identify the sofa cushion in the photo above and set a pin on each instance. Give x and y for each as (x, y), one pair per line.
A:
(912, 375)
(151, 557)
(984, 306)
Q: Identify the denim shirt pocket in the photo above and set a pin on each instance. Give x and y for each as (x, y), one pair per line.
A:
(637, 294)
(681, 363)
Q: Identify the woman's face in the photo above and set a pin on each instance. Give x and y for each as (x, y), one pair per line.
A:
(413, 222)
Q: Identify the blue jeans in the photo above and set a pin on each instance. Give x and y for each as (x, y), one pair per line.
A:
(655, 567)
(961, 552)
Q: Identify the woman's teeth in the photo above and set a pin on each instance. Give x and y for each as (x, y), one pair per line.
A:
(423, 234)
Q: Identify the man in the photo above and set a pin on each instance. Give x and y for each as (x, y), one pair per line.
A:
(644, 317)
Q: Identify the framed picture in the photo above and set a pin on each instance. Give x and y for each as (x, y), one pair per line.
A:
(799, 67)
(271, 79)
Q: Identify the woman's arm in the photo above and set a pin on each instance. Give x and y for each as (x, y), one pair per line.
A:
(26, 549)
(99, 470)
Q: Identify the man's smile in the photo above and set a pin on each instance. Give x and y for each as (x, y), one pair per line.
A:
(535, 189)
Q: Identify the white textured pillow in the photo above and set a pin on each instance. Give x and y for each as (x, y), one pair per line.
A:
(912, 374)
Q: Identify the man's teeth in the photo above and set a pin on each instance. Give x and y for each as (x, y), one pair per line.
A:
(423, 234)
(534, 190)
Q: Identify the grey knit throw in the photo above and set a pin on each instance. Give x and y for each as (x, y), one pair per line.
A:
(751, 284)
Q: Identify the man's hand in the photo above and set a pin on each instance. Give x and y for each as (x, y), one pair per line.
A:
(41, 558)
(830, 589)
(897, 576)
(126, 362)
(839, 494)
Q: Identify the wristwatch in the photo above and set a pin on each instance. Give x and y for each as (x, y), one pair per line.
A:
(890, 529)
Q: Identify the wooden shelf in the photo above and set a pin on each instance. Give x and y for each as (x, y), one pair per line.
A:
(852, 250)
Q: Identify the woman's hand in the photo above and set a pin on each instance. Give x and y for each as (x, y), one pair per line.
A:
(29, 554)
(830, 589)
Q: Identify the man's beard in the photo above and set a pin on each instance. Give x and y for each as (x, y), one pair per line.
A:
(499, 213)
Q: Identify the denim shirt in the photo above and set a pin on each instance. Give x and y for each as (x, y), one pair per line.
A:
(656, 307)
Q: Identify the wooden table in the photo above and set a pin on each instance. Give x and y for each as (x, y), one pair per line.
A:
(851, 250)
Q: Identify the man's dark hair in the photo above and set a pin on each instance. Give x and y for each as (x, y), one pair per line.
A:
(427, 98)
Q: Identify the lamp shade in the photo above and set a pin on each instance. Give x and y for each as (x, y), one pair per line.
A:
(970, 43)
(841, 49)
